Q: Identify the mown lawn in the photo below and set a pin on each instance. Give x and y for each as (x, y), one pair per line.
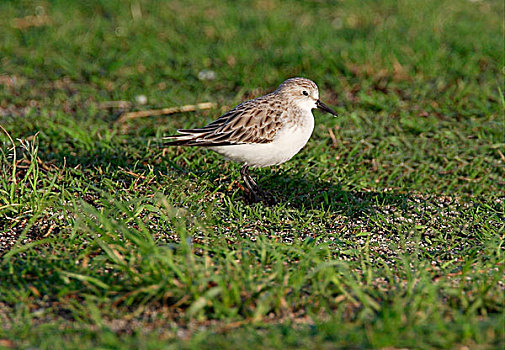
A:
(389, 226)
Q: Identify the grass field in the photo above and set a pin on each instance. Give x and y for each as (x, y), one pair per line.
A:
(389, 226)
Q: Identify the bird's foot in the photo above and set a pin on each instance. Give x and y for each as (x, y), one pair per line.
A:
(257, 195)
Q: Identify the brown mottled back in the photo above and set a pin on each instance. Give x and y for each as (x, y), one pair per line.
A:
(254, 121)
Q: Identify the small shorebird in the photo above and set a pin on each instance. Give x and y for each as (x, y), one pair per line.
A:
(268, 130)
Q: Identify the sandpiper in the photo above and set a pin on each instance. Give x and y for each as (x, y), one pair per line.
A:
(268, 130)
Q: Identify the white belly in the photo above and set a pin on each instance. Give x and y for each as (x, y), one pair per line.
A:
(288, 142)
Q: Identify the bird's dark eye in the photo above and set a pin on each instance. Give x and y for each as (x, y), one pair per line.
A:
(305, 93)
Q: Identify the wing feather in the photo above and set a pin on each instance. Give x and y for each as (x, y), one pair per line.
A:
(254, 121)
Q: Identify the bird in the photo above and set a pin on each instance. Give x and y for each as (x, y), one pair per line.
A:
(265, 131)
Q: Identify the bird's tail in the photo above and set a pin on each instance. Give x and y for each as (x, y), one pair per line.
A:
(182, 139)
(193, 138)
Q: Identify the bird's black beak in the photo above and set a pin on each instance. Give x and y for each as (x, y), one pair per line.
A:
(325, 108)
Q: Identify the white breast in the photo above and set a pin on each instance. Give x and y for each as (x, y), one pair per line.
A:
(287, 142)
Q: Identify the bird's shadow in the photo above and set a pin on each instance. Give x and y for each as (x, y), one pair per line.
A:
(308, 192)
(305, 191)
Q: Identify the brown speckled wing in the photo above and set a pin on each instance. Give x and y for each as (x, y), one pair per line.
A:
(255, 121)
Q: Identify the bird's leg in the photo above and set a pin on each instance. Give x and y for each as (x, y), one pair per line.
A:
(244, 171)
(252, 186)
(251, 181)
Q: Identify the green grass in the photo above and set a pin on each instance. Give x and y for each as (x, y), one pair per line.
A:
(390, 224)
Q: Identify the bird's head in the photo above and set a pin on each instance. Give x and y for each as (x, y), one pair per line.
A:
(303, 93)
